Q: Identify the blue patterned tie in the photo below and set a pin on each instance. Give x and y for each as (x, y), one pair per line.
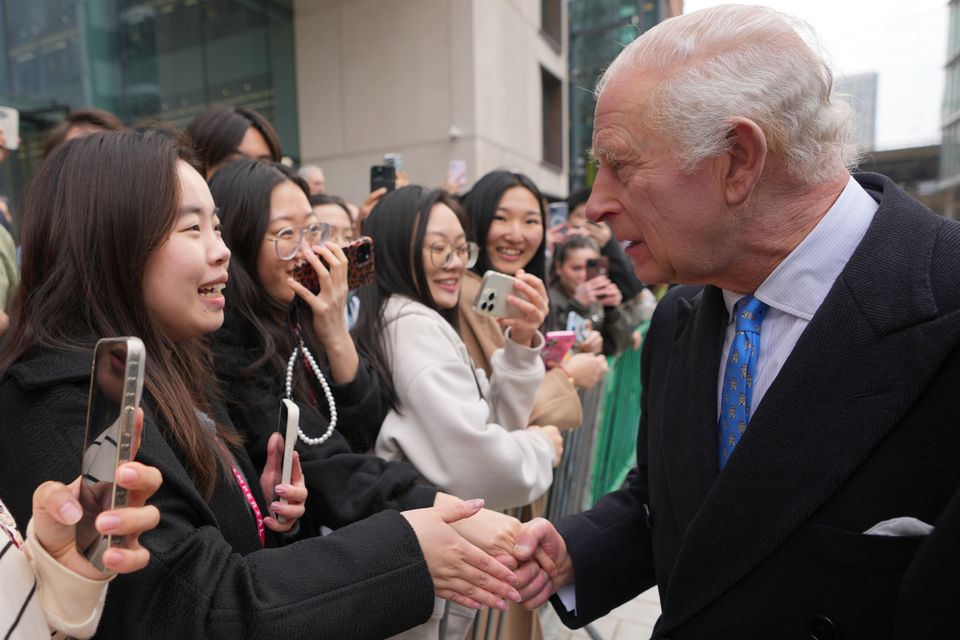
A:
(737, 395)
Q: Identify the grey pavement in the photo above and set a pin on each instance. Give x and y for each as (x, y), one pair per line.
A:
(631, 621)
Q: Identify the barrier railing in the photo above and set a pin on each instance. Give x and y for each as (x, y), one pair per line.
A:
(615, 450)
(597, 457)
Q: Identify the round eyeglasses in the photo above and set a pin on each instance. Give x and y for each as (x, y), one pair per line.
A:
(287, 241)
(441, 254)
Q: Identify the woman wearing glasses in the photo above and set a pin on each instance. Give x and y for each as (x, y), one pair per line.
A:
(270, 227)
(463, 433)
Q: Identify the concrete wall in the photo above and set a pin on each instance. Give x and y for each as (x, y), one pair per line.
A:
(432, 79)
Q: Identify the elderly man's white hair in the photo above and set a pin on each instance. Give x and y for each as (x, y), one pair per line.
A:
(743, 61)
(307, 169)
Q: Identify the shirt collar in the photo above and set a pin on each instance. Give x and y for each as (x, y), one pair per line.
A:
(803, 279)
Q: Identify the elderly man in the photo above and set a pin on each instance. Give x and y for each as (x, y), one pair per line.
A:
(801, 422)
(313, 175)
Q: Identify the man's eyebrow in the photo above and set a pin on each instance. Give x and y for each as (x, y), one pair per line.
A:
(605, 155)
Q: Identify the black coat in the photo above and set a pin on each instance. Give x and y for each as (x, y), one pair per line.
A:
(344, 487)
(928, 599)
(208, 576)
(860, 426)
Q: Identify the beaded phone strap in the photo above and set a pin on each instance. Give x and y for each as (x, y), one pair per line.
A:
(323, 385)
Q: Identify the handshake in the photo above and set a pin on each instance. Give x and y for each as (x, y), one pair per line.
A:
(479, 557)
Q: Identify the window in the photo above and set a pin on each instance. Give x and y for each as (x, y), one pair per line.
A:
(551, 20)
(552, 92)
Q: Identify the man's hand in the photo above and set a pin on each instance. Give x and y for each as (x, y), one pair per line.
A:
(461, 572)
(545, 565)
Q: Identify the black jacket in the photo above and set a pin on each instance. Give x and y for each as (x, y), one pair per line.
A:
(859, 426)
(343, 486)
(208, 576)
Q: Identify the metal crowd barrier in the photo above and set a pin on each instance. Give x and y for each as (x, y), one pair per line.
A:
(597, 457)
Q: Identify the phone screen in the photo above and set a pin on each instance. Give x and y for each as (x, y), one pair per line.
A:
(109, 438)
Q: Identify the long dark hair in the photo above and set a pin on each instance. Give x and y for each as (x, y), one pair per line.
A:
(397, 225)
(93, 215)
(242, 191)
(481, 205)
(218, 131)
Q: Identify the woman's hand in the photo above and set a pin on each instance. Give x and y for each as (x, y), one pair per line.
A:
(590, 292)
(295, 492)
(493, 532)
(368, 206)
(586, 369)
(609, 295)
(329, 321)
(555, 437)
(56, 511)
(461, 572)
(593, 343)
(524, 330)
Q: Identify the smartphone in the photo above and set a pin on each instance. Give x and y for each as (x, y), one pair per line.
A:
(580, 326)
(10, 124)
(492, 299)
(597, 267)
(457, 173)
(288, 425)
(556, 345)
(395, 160)
(557, 214)
(360, 267)
(116, 385)
(383, 175)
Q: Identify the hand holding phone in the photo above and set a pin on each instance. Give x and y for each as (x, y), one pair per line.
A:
(287, 498)
(383, 176)
(556, 346)
(597, 267)
(288, 425)
(492, 298)
(112, 438)
(360, 269)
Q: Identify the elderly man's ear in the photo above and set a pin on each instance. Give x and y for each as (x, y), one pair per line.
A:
(744, 160)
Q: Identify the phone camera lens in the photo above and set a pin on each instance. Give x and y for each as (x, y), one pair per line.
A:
(491, 296)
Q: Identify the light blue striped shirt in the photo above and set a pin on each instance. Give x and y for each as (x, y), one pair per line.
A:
(799, 284)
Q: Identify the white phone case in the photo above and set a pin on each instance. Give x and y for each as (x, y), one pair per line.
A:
(289, 439)
(492, 299)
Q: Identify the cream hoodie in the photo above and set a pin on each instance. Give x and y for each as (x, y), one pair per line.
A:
(469, 445)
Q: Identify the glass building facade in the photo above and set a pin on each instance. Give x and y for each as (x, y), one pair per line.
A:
(950, 153)
(599, 29)
(143, 60)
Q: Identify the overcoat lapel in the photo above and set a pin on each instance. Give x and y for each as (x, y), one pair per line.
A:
(833, 401)
(690, 448)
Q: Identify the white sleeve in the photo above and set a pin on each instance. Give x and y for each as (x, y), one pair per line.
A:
(516, 375)
(445, 430)
(72, 603)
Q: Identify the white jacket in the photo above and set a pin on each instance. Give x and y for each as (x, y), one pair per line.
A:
(465, 443)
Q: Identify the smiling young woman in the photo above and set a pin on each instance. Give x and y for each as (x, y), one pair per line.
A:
(115, 226)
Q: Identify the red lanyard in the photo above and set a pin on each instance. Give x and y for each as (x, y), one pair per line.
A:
(245, 488)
